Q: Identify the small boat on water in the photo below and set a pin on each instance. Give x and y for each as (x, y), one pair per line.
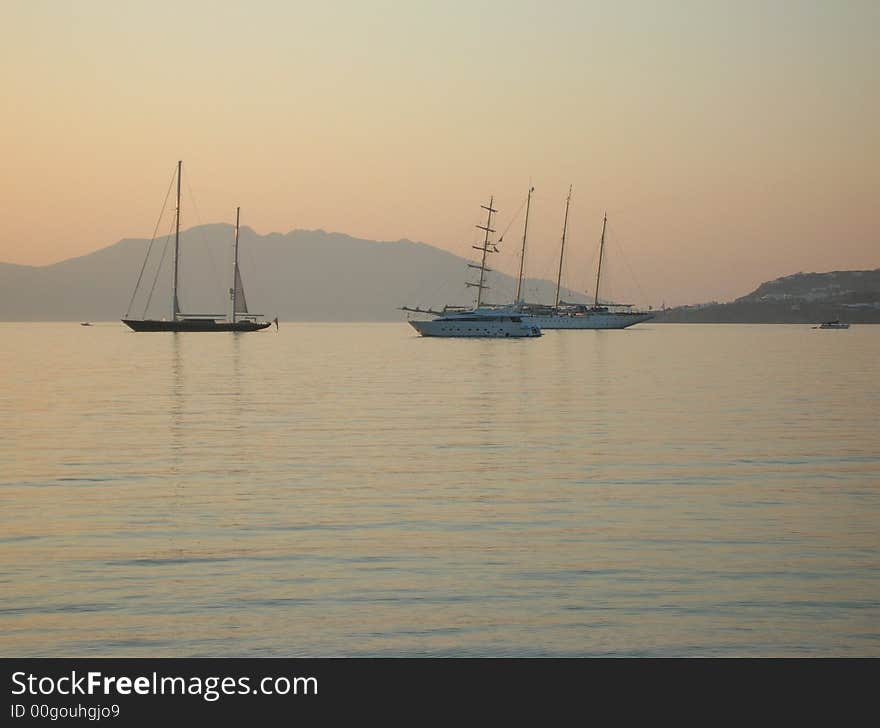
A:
(85, 323)
(836, 324)
(481, 321)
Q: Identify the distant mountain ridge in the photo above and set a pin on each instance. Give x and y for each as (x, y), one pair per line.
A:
(847, 286)
(849, 295)
(313, 275)
(307, 275)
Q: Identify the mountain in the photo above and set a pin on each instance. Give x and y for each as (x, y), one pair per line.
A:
(307, 275)
(849, 295)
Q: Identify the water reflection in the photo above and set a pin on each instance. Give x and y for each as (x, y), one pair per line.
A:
(584, 493)
(177, 401)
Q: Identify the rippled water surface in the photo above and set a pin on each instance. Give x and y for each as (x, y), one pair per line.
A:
(352, 489)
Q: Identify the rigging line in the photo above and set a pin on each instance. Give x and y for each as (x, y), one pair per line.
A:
(566, 263)
(589, 267)
(150, 247)
(443, 289)
(543, 270)
(158, 270)
(204, 240)
(512, 220)
(438, 295)
(252, 264)
(629, 267)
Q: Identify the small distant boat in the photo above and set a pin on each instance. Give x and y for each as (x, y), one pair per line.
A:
(832, 325)
(85, 323)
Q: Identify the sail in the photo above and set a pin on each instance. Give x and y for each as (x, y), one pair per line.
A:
(240, 302)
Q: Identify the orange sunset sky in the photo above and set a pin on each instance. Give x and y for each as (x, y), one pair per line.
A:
(730, 142)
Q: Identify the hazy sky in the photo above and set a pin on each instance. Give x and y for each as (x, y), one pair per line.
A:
(730, 142)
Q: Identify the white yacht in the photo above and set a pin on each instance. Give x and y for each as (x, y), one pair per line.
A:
(582, 316)
(480, 321)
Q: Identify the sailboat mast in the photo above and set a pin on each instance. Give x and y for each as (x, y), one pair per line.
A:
(562, 249)
(601, 249)
(175, 308)
(232, 290)
(522, 258)
(488, 228)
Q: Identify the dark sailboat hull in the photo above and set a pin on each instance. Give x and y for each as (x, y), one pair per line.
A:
(195, 325)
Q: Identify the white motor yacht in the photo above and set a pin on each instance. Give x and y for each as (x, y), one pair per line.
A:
(481, 321)
(478, 322)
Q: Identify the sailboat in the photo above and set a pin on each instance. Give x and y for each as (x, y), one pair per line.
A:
(563, 315)
(238, 318)
(481, 321)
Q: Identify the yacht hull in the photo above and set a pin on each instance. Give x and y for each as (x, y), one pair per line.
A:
(588, 320)
(194, 325)
(476, 329)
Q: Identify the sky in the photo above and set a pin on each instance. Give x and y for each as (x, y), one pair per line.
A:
(729, 142)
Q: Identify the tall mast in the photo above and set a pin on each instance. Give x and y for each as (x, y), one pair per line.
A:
(601, 248)
(232, 290)
(562, 249)
(485, 248)
(522, 258)
(175, 308)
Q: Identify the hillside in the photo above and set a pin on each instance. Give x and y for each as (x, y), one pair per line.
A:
(852, 296)
(307, 275)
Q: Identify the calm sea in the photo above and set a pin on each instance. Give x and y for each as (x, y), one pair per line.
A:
(352, 489)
